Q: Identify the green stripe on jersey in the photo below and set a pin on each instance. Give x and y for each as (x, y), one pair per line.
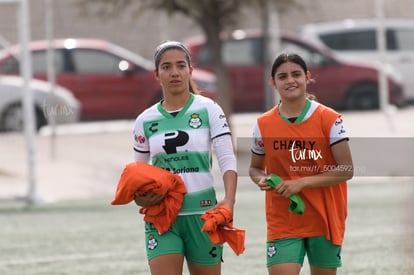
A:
(180, 113)
(191, 120)
(198, 202)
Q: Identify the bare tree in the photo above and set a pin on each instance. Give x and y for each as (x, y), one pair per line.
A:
(212, 16)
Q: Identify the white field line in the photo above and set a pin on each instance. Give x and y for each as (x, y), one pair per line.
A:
(66, 257)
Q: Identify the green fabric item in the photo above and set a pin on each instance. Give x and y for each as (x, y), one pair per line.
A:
(296, 203)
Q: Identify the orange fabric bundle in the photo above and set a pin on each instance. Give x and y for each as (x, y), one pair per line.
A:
(140, 177)
(219, 232)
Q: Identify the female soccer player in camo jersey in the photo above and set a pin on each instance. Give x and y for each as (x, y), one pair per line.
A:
(178, 134)
(304, 143)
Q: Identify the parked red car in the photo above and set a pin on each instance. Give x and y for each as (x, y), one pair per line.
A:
(338, 83)
(110, 82)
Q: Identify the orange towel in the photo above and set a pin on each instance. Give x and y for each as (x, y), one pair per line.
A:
(219, 232)
(140, 177)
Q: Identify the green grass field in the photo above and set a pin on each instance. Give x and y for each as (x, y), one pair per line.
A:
(92, 237)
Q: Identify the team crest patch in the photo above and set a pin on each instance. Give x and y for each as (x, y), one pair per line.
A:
(271, 250)
(195, 121)
(152, 242)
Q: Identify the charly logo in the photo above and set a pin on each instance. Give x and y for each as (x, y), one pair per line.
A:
(195, 121)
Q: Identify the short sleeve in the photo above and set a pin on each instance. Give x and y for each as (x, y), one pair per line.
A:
(257, 141)
(141, 144)
(337, 132)
(218, 121)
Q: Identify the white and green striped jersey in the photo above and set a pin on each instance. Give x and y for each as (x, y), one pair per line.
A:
(182, 144)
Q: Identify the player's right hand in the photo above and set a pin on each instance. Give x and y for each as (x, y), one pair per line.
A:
(148, 199)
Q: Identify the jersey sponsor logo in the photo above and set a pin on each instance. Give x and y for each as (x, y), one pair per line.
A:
(299, 149)
(175, 139)
(153, 127)
(288, 144)
(140, 139)
(258, 142)
(338, 121)
(180, 170)
(341, 131)
(184, 170)
(204, 203)
(225, 124)
(177, 158)
(195, 121)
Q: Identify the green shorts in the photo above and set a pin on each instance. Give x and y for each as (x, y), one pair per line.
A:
(184, 237)
(320, 252)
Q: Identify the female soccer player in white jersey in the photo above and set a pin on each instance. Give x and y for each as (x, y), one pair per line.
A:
(178, 134)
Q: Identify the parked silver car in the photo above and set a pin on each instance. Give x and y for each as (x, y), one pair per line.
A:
(355, 39)
(61, 105)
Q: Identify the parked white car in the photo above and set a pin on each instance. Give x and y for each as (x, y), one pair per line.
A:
(61, 105)
(356, 39)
